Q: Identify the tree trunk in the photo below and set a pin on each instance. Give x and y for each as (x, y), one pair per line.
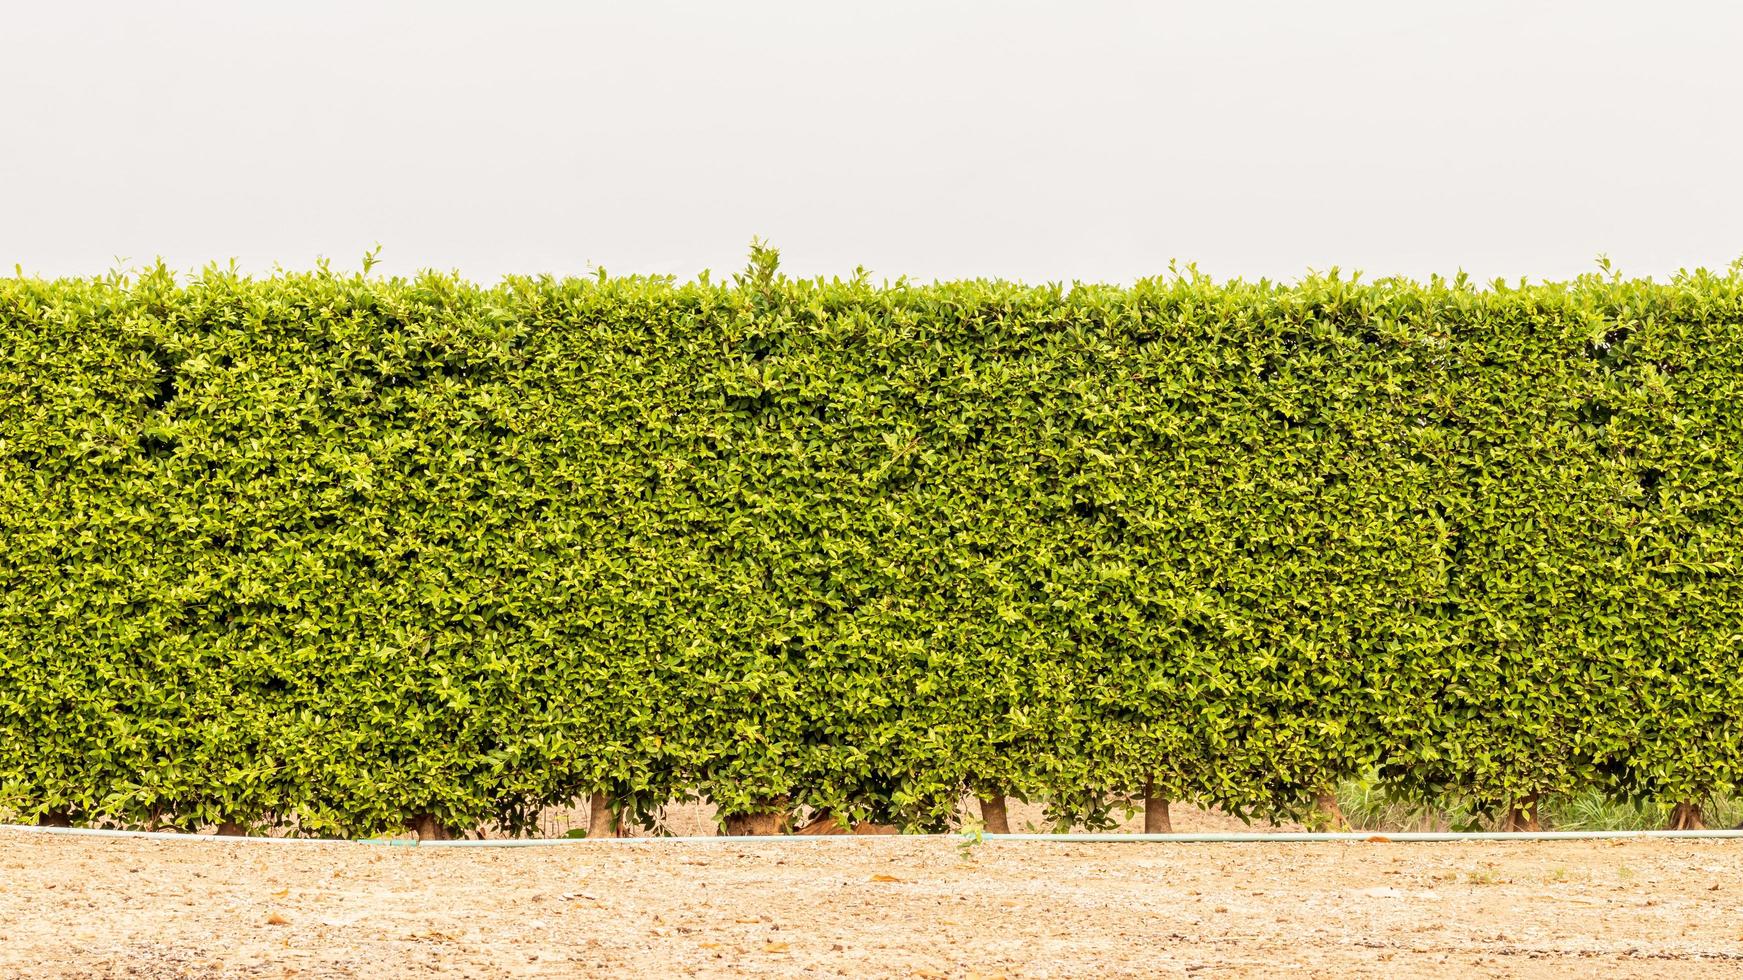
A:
(601, 818)
(1156, 820)
(992, 814)
(822, 824)
(428, 827)
(1521, 816)
(230, 828)
(1330, 815)
(751, 825)
(1686, 816)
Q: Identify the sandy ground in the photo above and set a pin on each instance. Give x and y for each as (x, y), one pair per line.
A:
(868, 906)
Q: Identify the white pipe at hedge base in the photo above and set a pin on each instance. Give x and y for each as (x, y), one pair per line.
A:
(1257, 837)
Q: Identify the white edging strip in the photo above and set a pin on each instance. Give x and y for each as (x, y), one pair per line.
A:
(1257, 837)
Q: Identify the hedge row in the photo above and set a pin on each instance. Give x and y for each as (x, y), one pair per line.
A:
(348, 551)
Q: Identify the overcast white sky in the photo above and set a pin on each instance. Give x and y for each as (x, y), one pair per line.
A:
(1029, 140)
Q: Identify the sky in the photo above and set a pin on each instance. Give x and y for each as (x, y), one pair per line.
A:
(1039, 141)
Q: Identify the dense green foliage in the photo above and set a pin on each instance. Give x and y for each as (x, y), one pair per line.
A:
(347, 550)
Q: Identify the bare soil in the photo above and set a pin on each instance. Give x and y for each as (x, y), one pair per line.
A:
(868, 906)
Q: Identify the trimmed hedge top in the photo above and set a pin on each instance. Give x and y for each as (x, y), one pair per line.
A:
(342, 550)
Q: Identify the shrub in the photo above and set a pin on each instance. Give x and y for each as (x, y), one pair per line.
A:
(355, 551)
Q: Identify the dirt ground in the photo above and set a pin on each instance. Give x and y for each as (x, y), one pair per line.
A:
(868, 906)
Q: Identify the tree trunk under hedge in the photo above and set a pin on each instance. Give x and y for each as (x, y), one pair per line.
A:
(1521, 816)
(1156, 818)
(427, 827)
(822, 824)
(601, 818)
(767, 822)
(1686, 816)
(1328, 813)
(751, 824)
(230, 828)
(992, 814)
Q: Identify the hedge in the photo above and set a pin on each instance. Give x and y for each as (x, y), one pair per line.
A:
(336, 552)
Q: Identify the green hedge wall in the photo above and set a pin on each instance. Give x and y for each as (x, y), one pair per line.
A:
(347, 550)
